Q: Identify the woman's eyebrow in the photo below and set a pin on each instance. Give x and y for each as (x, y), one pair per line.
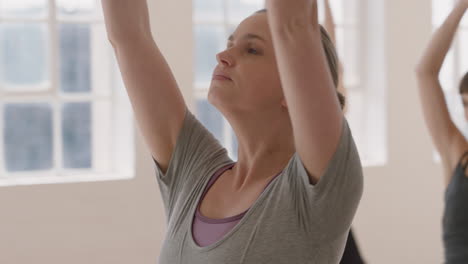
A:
(248, 36)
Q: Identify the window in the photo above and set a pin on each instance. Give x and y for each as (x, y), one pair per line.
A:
(64, 112)
(215, 20)
(455, 65)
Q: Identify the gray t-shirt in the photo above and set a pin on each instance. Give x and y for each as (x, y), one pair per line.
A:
(292, 221)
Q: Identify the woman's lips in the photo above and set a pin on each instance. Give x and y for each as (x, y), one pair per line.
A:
(221, 78)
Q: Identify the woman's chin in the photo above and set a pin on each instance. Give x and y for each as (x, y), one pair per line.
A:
(218, 98)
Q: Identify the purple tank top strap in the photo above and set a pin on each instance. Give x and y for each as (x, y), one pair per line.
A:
(207, 231)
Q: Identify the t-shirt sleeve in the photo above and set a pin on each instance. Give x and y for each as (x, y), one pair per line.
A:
(330, 204)
(196, 151)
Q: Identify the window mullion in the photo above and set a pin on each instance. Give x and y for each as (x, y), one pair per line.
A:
(24, 20)
(456, 60)
(368, 94)
(2, 143)
(2, 125)
(114, 102)
(226, 134)
(54, 75)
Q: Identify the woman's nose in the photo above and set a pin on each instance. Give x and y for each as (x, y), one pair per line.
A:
(224, 58)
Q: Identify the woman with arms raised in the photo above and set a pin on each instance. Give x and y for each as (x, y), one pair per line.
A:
(293, 193)
(449, 141)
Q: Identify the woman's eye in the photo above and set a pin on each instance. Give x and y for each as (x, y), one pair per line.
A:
(252, 51)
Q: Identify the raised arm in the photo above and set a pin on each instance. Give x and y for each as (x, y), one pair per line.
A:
(308, 87)
(447, 138)
(329, 21)
(329, 25)
(157, 102)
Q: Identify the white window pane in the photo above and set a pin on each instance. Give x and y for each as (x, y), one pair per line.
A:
(23, 56)
(122, 142)
(235, 145)
(75, 58)
(447, 73)
(356, 116)
(209, 41)
(348, 50)
(463, 59)
(78, 8)
(86, 59)
(440, 11)
(455, 104)
(28, 137)
(464, 22)
(238, 10)
(208, 10)
(230, 29)
(76, 135)
(103, 133)
(211, 118)
(344, 11)
(348, 11)
(23, 8)
(337, 9)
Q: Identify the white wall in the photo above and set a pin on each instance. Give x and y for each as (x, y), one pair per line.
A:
(399, 220)
(123, 221)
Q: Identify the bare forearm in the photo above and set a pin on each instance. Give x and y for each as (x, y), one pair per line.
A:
(329, 22)
(300, 56)
(305, 77)
(307, 84)
(436, 114)
(433, 58)
(301, 61)
(126, 20)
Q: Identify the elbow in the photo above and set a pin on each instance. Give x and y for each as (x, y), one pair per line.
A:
(117, 37)
(129, 39)
(114, 36)
(423, 71)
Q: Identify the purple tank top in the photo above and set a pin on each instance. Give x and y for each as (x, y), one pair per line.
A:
(207, 231)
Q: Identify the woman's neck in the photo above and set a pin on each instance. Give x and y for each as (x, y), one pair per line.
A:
(265, 146)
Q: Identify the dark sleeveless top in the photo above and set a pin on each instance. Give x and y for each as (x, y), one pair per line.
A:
(351, 253)
(455, 219)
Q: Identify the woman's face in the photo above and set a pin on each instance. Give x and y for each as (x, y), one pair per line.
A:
(249, 63)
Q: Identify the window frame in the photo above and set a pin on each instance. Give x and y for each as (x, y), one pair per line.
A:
(119, 110)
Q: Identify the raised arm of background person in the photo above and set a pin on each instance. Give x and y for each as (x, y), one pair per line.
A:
(448, 140)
